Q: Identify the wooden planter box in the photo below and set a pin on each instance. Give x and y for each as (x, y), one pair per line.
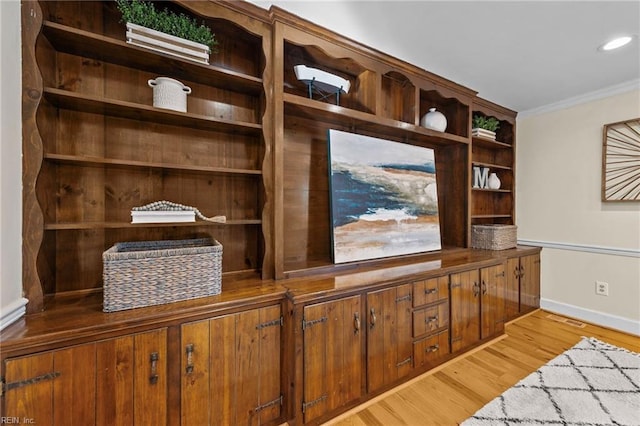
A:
(165, 43)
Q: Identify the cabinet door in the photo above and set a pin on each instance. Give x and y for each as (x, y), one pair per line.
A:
(118, 381)
(512, 290)
(465, 309)
(492, 305)
(231, 369)
(529, 283)
(389, 336)
(54, 388)
(332, 356)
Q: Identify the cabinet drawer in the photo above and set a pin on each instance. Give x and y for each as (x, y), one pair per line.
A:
(431, 290)
(428, 320)
(430, 351)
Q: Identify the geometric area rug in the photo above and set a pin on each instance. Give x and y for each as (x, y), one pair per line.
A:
(593, 383)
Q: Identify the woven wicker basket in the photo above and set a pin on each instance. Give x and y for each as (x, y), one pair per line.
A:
(494, 237)
(147, 273)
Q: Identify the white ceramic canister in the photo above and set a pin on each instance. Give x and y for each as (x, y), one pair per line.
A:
(494, 181)
(434, 120)
(169, 94)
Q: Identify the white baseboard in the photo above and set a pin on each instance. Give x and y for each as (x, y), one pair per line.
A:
(13, 312)
(599, 318)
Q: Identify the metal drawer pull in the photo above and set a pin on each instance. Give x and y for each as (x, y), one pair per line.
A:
(406, 361)
(404, 298)
(431, 290)
(373, 317)
(356, 323)
(189, 348)
(153, 378)
(431, 319)
(433, 348)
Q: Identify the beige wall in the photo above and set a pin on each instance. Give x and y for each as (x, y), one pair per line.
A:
(559, 157)
(11, 301)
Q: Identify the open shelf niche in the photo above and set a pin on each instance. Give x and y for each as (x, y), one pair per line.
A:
(495, 205)
(106, 149)
(384, 102)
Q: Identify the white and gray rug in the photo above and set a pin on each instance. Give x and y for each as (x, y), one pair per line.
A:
(593, 383)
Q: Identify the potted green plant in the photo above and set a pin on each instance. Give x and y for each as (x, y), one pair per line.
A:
(484, 127)
(165, 31)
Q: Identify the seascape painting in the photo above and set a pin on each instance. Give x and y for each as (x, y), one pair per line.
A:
(384, 198)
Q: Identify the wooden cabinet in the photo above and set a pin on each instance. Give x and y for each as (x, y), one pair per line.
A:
(100, 147)
(477, 305)
(118, 381)
(332, 359)
(252, 146)
(389, 336)
(231, 369)
(522, 285)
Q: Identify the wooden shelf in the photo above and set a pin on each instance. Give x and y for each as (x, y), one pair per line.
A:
(83, 43)
(488, 143)
(132, 111)
(335, 114)
(492, 165)
(122, 225)
(508, 191)
(108, 162)
(490, 216)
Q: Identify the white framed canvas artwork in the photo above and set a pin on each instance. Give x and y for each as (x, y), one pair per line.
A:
(384, 198)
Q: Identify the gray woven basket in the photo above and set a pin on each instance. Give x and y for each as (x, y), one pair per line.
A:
(494, 237)
(147, 273)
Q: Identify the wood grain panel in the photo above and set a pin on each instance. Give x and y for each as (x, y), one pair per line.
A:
(269, 364)
(76, 386)
(114, 381)
(316, 385)
(224, 392)
(195, 374)
(465, 309)
(34, 401)
(529, 283)
(150, 393)
(492, 304)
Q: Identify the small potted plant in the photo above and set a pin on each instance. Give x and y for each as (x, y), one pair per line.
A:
(484, 127)
(165, 31)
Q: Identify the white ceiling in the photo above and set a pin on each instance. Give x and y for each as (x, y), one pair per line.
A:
(525, 55)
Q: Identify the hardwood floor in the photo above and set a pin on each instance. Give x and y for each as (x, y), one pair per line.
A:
(454, 391)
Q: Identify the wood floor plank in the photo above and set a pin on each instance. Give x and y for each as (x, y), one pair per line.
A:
(450, 394)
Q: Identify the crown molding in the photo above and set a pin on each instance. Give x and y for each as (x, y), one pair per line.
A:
(587, 97)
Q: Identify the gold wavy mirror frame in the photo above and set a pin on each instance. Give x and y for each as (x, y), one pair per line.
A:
(621, 161)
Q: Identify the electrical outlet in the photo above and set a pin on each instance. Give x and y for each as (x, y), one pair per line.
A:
(602, 288)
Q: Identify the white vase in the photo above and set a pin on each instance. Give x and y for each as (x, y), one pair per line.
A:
(434, 120)
(494, 181)
(169, 94)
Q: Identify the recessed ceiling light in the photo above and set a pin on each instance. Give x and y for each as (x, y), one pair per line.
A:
(616, 43)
